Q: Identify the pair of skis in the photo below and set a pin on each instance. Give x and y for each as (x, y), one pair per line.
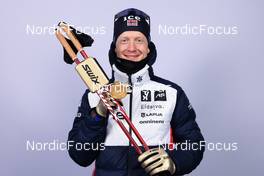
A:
(97, 82)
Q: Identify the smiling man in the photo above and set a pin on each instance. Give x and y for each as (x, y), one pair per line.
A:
(132, 46)
(158, 108)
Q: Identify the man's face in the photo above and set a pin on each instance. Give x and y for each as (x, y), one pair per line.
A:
(132, 45)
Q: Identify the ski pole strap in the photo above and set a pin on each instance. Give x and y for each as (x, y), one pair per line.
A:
(66, 28)
(67, 47)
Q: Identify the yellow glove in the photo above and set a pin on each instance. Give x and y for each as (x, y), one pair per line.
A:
(156, 161)
(101, 109)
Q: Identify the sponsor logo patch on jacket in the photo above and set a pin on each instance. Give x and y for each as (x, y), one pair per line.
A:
(143, 114)
(145, 95)
(160, 95)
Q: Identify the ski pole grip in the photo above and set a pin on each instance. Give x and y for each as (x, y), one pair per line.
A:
(66, 28)
(66, 45)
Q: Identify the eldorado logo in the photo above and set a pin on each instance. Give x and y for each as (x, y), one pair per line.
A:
(90, 73)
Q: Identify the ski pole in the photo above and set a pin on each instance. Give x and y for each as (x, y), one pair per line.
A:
(94, 77)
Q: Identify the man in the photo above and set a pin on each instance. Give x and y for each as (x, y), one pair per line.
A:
(158, 108)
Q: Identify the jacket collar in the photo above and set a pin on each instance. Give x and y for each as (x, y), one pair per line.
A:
(140, 77)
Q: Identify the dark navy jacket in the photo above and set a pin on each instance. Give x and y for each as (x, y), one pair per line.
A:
(160, 111)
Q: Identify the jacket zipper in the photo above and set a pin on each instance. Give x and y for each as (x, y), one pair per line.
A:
(130, 131)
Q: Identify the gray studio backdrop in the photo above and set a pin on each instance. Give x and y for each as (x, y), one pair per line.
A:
(222, 74)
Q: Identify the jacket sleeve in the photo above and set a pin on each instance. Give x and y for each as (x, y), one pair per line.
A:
(87, 135)
(185, 130)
